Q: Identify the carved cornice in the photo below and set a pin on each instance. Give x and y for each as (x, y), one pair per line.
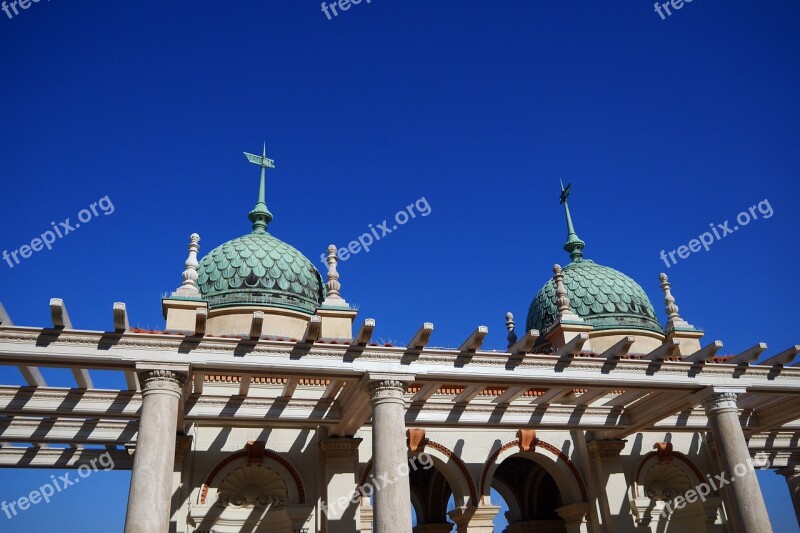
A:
(345, 447)
(606, 448)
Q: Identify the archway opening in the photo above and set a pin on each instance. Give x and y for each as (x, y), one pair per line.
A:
(531, 494)
(431, 498)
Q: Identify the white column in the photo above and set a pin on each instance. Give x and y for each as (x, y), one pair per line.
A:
(792, 475)
(746, 506)
(153, 461)
(617, 514)
(340, 514)
(389, 454)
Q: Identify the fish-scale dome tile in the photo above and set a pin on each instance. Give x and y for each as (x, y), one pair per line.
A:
(602, 296)
(259, 269)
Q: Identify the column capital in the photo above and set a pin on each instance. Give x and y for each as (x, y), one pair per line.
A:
(162, 379)
(387, 386)
(720, 401)
(339, 446)
(605, 448)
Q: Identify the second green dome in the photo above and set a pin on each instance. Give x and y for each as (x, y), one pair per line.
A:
(259, 270)
(605, 298)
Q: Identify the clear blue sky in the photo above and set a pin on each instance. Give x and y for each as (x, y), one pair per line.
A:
(663, 126)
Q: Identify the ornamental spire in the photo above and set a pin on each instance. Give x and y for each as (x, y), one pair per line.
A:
(260, 215)
(574, 244)
(189, 286)
(562, 299)
(510, 325)
(674, 320)
(333, 297)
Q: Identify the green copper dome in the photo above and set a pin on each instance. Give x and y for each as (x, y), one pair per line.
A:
(605, 298)
(601, 296)
(258, 269)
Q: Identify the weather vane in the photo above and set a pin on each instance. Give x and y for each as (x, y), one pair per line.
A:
(260, 215)
(574, 244)
(564, 192)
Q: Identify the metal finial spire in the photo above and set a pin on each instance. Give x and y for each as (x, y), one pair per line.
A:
(260, 215)
(574, 244)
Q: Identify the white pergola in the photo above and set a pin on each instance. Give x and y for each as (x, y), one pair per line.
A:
(312, 382)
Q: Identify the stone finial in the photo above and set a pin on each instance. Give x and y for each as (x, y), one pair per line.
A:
(562, 300)
(674, 320)
(561, 293)
(189, 286)
(510, 325)
(333, 297)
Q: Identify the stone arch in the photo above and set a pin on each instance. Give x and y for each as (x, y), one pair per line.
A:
(449, 464)
(664, 456)
(554, 461)
(661, 476)
(254, 454)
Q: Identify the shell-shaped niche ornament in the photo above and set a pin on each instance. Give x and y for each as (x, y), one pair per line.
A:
(253, 486)
(665, 481)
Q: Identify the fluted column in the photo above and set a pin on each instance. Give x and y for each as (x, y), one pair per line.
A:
(392, 500)
(747, 508)
(154, 458)
(792, 475)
